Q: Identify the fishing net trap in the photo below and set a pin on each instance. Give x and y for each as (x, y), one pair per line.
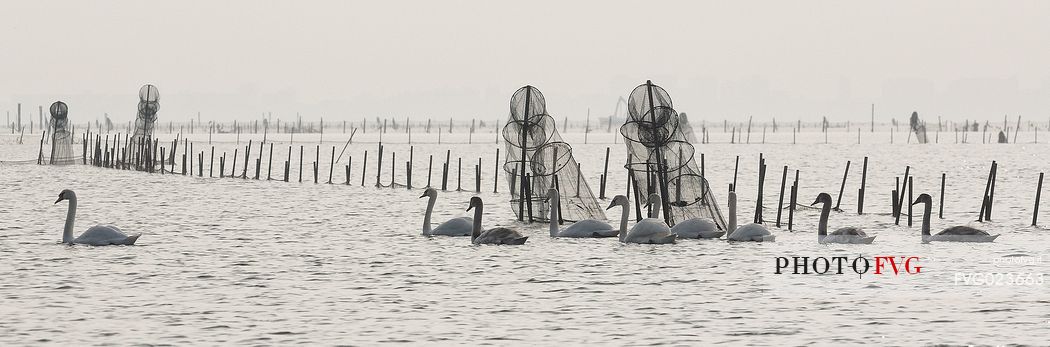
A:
(538, 159)
(661, 159)
(146, 117)
(61, 136)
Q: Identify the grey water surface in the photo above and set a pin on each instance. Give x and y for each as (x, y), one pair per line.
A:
(234, 261)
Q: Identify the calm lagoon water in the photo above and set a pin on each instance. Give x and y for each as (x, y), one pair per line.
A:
(232, 261)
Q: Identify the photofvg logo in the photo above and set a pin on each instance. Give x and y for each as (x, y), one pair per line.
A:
(1005, 278)
(884, 265)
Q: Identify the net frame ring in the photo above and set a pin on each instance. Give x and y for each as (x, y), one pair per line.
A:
(59, 110)
(543, 122)
(638, 101)
(540, 166)
(537, 103)
(149, 93)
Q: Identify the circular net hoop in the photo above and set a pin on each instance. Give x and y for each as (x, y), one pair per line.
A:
(661, 158)
(146, 114)
(527, 102)
(646, 97)
(653, 129)
(537, 130)
(149, 93)
(61, 137)
(537, 156)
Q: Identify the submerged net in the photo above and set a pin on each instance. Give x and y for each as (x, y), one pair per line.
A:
(146, 117)
(61, 138)
(537, 155)
(662, 159)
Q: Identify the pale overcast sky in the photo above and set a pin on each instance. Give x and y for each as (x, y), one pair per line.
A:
(349, 59)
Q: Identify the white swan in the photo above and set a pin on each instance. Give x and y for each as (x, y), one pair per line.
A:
(495, 236)
(953, 234)
(459, 226)
(649, 230)
(749, 232)
(583, 228)
(842, 235)
(99, 235)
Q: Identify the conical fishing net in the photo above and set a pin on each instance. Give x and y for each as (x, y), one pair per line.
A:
(662, 158)
(918, 127)
(146, 116)
(61, 138)
(687, 128)
(537, 155)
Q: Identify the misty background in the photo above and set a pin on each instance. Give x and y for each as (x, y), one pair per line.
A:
(345, 60)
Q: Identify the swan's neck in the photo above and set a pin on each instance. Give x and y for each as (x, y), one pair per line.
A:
(825, 211)
(555, 213)
(476, 230)
(732, 212)
(426, 218)
(624, 214)
(926, 219)
(656, 210)
(71, 216)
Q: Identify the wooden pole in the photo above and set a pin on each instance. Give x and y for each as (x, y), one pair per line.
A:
(287, 163)
(940, 206)
(444, 170)
(911, 198)
(863, 185)
(736, 167)
(991, 194)
(495, 173)
(780, 204)
(984, 198)
(605, 174)
(477, 177)
(528, 194)
(900, 200)
(379, 165)
(524, 154)
(761, 186)
(791, 204)
(842, 187)
(1038, 193)
(409, 165)
(331, 166)
(364, 169)
(269, 165)
(247, 154)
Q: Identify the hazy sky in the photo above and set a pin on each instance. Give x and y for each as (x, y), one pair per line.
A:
(349, 59)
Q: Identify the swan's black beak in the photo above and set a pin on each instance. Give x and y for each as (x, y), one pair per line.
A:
(57, 201)
(815, 202)
(611, 205)
(916, 202)
(423, 196)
